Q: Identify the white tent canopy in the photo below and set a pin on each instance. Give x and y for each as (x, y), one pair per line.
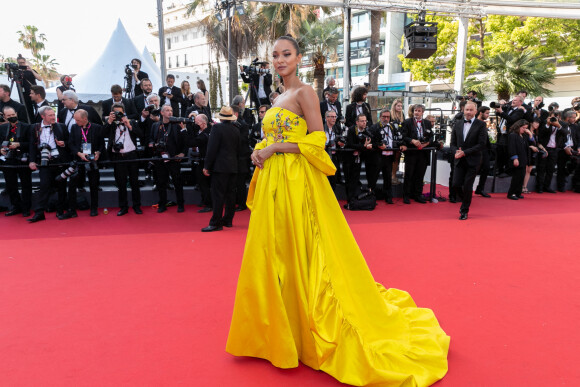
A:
(95, 83)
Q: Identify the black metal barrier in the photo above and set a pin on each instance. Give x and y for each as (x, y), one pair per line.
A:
(104, 162)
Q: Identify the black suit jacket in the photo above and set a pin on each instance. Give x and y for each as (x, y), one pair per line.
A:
(223, 148)
(254, 80)
(94, 137)
(93, 115)
(37, 117)
(130, 110)
(410, 132)
(518, 146)
(473, 145)
(60, 134)
(139, 103)
(245, 150)
(175, 137)
(575, 133)
(140, 75)
(18, 108)
(175, 101)
(110, 130)
(21, 136)
(512, 116)
(350, 115)
(545, 132)
(324, 108)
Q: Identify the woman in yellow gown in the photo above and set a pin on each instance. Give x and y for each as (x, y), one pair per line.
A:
(305, 292)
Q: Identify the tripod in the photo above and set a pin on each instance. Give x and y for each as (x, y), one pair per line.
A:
(16, 79)
(129, 92)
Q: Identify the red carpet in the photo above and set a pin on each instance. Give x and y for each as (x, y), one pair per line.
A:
(147, 300)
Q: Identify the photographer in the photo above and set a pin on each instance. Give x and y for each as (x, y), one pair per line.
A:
(48, 145)
(567, 149)
(117, 97)
(122, 147)
(359, 139)
(29, 78)
(471, 96)
(6, 101)
(245, 115)
(15, 138)
(334, 139)
(392, 138)
(538, 112)
(510, 114)
(38, 97)
(331, 103)
(573, 145)
(260, 81)
(198, 107)
(244, 160)
(417, 134)
(357, 107)
(257, 134)
(150, 114)
(138, 76)
(167, 141)
(483, 115)
(200, 141)
(551, 136)
(71, 104)
(66, 84)
(171, 94)
(140, 101)
(86, 144)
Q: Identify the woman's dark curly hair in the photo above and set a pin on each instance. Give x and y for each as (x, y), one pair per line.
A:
(517, 125)
(358, 93)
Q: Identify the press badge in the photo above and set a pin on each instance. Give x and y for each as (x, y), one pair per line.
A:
(87, 148)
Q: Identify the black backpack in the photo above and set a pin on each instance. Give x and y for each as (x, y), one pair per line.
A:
(365, 201)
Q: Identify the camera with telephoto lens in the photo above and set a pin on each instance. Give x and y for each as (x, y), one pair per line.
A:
(118, 117)
(553, 119)
(161, 149)
(45, 152)
(153, 110)
(5, 145)
(69, 172)
(182, 119)
(362, 136)
(129, 69)
(254, 68)
(92, 162)
(494, 105)
(542, 152)
(540, 105)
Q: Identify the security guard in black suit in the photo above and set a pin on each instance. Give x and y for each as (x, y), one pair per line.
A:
(15, 139)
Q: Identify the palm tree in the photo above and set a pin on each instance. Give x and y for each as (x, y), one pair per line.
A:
(281, 19)
(31, 41)
(321, 40)
(243, 31)
(46, 67)
(509, 72)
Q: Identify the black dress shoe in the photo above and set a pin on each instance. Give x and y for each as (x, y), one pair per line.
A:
(205, 209)
(549, 190)
(540, 191)
(62, 216)
(463, 216)
(81, 189)
(229, 225)
(561, 190)
(512, 197)
(72, 214)
(420, 199)
(483, 194)
(94, 212)
(123, 211)
(452, 199)
(15, 211)
(212, 228)
(161, 209)
(520, 196)
(406, 200)
(138, 210)
(389, 201)
(38, 216)
(25, 214)
(180, 208)
(241, 208)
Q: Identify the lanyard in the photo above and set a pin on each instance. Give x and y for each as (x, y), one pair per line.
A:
(85, 133)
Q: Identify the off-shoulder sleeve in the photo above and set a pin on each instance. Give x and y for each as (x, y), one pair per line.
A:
(312, 147)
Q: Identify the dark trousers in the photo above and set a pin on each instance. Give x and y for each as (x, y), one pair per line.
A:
(372, 168)
(11, 176)
(502, 157)
(124, 170)
(463, 179)
(204, 186)
(545, 169)
(415, 168)
(163, 171)
(337, 160)
(451, 175)
(562, 173)
(47, 181)
(517, 182)
(387, 170)
(483, 170)
(352, 176)
(241, 188)
(576, 177)
(223, 194)
(94, 180)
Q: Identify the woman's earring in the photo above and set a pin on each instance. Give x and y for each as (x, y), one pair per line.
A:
(297, 71)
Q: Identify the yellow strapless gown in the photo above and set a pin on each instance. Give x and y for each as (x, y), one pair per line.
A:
(305, 292)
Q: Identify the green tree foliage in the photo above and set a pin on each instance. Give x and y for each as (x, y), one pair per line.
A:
(31, 40)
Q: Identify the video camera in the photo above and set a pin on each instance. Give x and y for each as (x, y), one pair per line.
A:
(14, 70)
(254, 68)
(129, 69)
(182, 119)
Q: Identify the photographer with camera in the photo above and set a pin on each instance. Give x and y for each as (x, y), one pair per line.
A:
(7, 101)
(117, 97)
(537, 111)
(199, 140)
(551, 136)
(29, 77)
(471, 96)
(359, 139)
(138, 76)
(15, 137)
(334, 140)
(140, 101)
(48, 145)
(71, 104)
(417, 134)
(509, 114)
(244, 160)
(392, 138)
(171, 95)
(331, 103)
(199, 107)
(260, 80)
(38, 97)
(86, 144)
(122, 147)
(357, 107)
(168, 140)
(257, 134)
(483, 115)
(150, 114)
(568, 151)
(66, 84)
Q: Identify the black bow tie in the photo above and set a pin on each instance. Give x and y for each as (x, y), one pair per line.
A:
(466, 121)
(72, 110)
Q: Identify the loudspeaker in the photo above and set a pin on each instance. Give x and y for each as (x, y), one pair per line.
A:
(420, 40)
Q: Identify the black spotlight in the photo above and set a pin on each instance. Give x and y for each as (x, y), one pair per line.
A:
(420, 39)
